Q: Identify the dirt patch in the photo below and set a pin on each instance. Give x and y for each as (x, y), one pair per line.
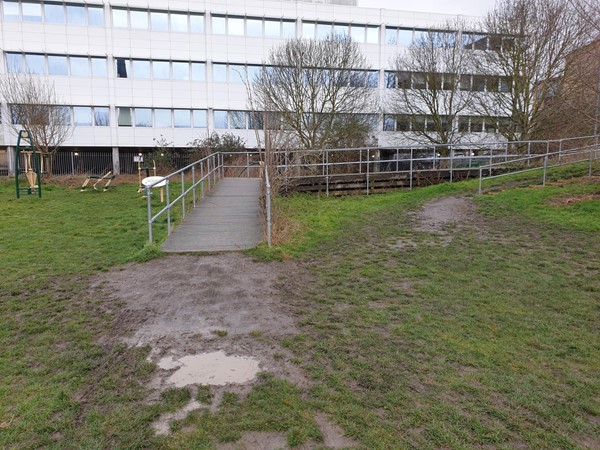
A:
(183, 306)
(438, 219)
(436, 216)
(573, 200)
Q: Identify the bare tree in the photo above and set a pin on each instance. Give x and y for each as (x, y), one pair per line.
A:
(427, 100)
(589, 10)
(529, 42)
(311, 87)
(35, 107)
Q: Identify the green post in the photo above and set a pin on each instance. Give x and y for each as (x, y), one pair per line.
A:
(35, 161)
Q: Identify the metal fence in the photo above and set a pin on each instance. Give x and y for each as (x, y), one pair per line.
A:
(4, 163)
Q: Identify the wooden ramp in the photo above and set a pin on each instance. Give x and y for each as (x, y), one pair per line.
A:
(228, 218)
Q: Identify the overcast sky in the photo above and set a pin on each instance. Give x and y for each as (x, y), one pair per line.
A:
(466, 7)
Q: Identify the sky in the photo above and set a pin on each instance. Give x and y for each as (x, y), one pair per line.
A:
(466, 7)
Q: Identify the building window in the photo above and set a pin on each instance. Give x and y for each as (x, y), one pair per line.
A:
(35, 64)
(181, 71)
(196, 23)
(82, 116)
(54, 13)
(99, 67)
(272, 28)
(124, 117)
(79, 66)
(198, 71)
(220, 73)
(32, 12)
(14, 62)
(143, 117)
(357, 32)
(372, 35)
(139, 19)
(11, 10)
(389, 123)
(219, 25)
(162, 118)
(57, 65)
(200, 118)
(119, 18)
(254, 27)
(323, 30)
(308, 30)
(221, 119)
(237, 120)
(160, 69)
(122, 67)
(76, 15)
(159, 21)
(141, 69)
(235, 26)
(181, 118)
(95, 16)
(101, 116)
(179, 22)
(288, 29)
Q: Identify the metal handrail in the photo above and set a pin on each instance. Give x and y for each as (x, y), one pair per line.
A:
(213, 164)
(268, 203)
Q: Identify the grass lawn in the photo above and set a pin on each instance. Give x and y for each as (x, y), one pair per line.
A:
(491, 340)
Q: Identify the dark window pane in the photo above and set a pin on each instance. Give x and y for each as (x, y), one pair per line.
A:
(124, 117)
(122, 68)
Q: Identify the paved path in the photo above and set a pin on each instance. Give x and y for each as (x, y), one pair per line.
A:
(227, 219)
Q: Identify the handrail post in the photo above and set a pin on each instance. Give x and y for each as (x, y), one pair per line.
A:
(201, 179)
(194, 185)
(528, 154)
(182, 195)
(150, 238)
(591, 161)
(222, 164)
(208, 174)
(247, 165)
(168, 208)
(560, 143)
(545, 169)
(480, 180)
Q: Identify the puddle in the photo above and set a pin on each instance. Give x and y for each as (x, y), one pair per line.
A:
(215, 368)
(162, 425)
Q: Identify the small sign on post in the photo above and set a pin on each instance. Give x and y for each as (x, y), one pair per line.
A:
(138, 159)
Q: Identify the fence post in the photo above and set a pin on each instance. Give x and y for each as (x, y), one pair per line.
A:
(491, 159)
(480, 180)
(360, 161)
(451, 164)
(327, 173)
(545, 169)
(115, 161)
(247, 165)
(72, 163)
(560, 143)
(592, 151)
(368, 164)
(411, 169)
(528, 154)
(10, 160)
(397, 156)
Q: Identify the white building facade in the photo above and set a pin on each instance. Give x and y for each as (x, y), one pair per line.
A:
(134, 71)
